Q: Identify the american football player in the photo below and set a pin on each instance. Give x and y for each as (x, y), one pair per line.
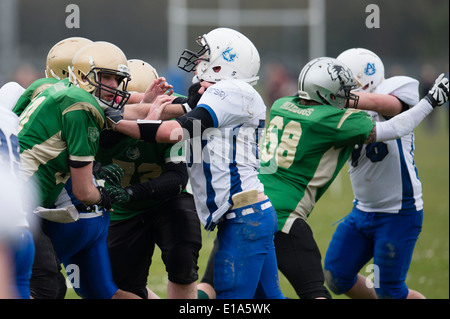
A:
(387, 191)
(223, 172)
(67, 138)
(159, 211)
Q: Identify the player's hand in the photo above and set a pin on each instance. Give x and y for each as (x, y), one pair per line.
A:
(193, 95)
(117, 194)
(112, 173)
(156, 88)
(438, 94)
(158, 107)
(113, 117)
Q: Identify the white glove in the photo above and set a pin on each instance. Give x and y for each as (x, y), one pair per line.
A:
(438, 94)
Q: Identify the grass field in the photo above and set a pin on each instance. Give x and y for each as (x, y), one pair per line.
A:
(429, 272)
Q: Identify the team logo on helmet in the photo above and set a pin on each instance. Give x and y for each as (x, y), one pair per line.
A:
(339, 72)
(370, 69)
(228, 55)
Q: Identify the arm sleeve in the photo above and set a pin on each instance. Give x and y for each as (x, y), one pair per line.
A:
(171, 183)
(197, 118)
(404, 123)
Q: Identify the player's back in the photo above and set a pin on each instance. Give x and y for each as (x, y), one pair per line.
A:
(304, 149)
(53, 127)
(31, 92)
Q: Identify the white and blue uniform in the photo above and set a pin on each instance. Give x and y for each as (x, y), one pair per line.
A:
(391, 162)
(228, 163)
(16, 197)
(245, 265)
(388, 208)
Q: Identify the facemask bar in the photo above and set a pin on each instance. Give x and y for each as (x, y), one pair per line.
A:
(120, 96)
(348, 96)
(189, 59)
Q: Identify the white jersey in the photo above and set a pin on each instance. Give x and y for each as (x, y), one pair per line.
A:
(225, 160)
(13, 194)
(383, 174)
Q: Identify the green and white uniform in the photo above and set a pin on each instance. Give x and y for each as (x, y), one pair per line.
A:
(31, 92)
(141, 162)
(303, 150)
(62, 123)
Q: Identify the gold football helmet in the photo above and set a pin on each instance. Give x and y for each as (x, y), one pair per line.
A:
(142, 75)
(60, 56)
(96, 60)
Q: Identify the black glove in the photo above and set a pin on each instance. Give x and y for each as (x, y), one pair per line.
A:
(113, 117)
(112, 173)
(193, 95)
(438, 94)
(117, 194)
(191, 101)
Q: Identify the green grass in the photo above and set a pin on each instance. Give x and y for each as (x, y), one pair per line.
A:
(429, 272)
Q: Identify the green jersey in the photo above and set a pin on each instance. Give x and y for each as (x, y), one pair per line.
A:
(61, 123)
(31, 92)
(303, 150)
(140, 161)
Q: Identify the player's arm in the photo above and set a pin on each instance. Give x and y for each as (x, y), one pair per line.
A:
(407, 121)
(168, 131)
(384, 104)
(82, 184)
(170, 183)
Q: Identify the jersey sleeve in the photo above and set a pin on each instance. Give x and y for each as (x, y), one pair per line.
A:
(231, 103)
(353, 127)
(81, 130)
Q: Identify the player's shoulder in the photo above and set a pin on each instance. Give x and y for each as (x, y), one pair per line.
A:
(8, 118)
(232, 86)
(68, 94)
(404, 87)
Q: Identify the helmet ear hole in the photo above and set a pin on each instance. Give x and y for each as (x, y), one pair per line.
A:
(217, 69)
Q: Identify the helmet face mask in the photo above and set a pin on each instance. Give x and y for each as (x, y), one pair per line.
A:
(189, 60)
(91, 68)
(120, 95)
(328, 81)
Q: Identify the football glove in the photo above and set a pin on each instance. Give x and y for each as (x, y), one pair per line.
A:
(117, 194)
(438, 94)
(113, 117)
(112, 173)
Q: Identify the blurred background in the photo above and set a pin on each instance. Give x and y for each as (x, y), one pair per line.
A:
(410, 36)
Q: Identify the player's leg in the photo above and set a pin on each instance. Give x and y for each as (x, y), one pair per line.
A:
(23, 250)
(206, 286)
(47, 280)
(349, 250)
(300, 261)
(130, 249)
(244, 244)
(178, 235)
(396, 236)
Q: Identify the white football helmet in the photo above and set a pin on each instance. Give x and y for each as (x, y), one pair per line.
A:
(367, 68)
(142, 75)
(328, 81)
(225, 54)
(93, 61)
